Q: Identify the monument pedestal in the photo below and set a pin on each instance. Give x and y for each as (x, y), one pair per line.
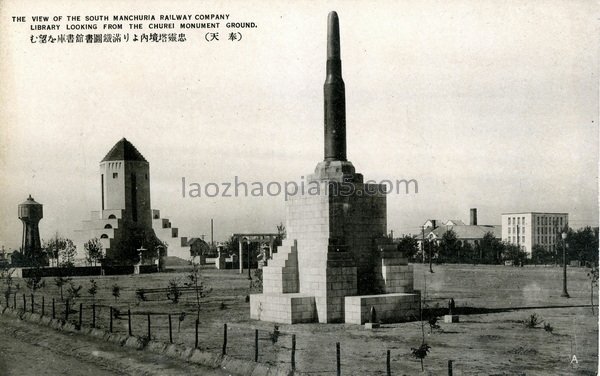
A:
(390, 307)
(449, 319)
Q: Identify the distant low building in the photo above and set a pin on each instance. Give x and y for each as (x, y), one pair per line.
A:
(431, 224)
(527, 229)
(472, 233)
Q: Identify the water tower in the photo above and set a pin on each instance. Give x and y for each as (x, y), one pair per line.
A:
(30, 212)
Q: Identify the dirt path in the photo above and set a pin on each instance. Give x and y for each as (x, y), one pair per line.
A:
(29, 349)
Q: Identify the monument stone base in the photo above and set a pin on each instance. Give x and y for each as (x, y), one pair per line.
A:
(390, 307)
(291, 308)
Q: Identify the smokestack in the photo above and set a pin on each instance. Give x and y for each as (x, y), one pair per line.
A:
(335, 95)
(212, 243)
(473, 217)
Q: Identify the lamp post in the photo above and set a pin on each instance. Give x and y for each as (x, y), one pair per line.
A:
(430, 256)
(564, 294)
(248, 242)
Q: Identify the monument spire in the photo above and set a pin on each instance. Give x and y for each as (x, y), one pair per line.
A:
(335, 97)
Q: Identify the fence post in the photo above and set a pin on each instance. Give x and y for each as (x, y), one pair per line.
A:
(170, 329)
(224, 339)
(196, 341)
(32, 303)
(337, 359)
(43, 304)
(53, 310)
(15, 301)
(449, 368)
(94, 315)
(256, 345)
(129, 320)
(388, 365)
(149, 331)
(24, 303)
(80, 314)
(110, 328)
(293, 352)
(67, 310)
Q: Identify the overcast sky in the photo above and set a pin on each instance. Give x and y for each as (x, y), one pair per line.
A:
(486, 104)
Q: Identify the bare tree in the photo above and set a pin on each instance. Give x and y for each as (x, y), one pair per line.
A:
(93, 250)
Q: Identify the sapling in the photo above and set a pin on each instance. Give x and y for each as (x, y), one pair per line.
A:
(93, 290)
(422, 351)
(173, 291)
(116, 291)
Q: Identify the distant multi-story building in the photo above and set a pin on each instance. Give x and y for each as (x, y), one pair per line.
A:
(527, 229)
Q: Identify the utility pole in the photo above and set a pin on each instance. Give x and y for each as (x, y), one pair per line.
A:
(423, 242)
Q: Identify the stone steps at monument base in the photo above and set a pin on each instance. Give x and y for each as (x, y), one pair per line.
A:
(281, 273)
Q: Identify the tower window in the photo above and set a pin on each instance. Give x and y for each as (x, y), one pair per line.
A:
(115, 175)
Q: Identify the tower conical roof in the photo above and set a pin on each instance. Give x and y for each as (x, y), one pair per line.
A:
(30, 201)
(124, 151)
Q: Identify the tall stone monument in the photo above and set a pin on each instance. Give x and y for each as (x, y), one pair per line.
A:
(336, 262)
(125, 222)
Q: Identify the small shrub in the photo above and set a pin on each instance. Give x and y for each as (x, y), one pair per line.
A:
(421, 352)
(93, 290)
(60, 281)
(116, 291)
(247, 299)
(274, 335)
(73, 292)
(222, 306)
(433, 325)
(548, 328)
(173, 291)
(35, 282)
(532, 321)
(140, 294)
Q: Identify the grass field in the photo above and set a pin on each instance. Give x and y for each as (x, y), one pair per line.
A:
(490, 338)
